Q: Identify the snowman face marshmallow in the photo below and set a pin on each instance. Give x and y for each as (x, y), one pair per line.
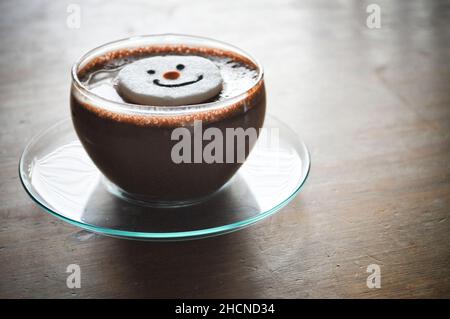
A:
(170, 80)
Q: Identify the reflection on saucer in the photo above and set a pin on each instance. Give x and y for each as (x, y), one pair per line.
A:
(65, 178)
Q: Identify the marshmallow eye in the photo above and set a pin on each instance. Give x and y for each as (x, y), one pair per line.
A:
(179, 67)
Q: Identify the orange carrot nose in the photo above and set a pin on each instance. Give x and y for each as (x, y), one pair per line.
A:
(171, 75)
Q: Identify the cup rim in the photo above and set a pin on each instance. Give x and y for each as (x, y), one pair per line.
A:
(124, 107)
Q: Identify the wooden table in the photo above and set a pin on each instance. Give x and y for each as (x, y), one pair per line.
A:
(373, 105)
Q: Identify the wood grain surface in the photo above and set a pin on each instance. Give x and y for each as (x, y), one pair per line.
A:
(373, 105)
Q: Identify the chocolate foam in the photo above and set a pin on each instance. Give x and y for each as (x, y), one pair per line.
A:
(253, 96)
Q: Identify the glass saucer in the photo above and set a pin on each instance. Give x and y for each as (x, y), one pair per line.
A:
(57, 174)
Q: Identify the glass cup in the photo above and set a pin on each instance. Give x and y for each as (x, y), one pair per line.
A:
(134, 145)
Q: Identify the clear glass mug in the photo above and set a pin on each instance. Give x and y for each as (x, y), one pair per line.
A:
(132, 144)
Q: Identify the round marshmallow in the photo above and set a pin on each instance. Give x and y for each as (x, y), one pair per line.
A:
(170, 80)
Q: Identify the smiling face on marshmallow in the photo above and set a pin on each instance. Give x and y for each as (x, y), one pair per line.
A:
(170, 80)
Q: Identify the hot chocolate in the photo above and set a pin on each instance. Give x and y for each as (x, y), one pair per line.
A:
(128, 130)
